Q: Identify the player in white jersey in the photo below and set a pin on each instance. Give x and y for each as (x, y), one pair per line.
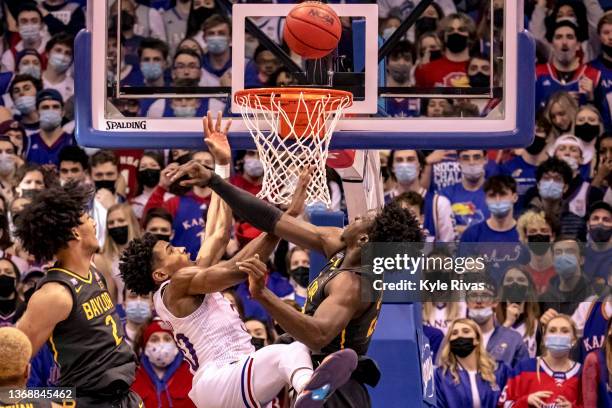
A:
(228, 372)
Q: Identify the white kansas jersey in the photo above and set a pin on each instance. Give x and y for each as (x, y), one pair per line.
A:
(213, 333)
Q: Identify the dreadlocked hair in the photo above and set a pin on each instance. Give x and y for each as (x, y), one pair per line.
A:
(136, 265)
(395, 224)
(45, 226)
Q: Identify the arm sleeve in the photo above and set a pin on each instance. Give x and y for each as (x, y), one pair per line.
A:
(594, 14)
(590, 380)
(246, 206)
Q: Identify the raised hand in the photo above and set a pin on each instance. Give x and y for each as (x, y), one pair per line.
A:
(216, 139)
(194, 172)
(296, 208)
(164, 180)
(256, 270)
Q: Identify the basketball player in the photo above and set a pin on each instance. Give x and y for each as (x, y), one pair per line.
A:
(334, 316)
(227, 371)
(15, 353)
(72, 308)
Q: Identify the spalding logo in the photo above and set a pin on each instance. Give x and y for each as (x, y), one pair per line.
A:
(137, 124)
(323, 16)
(427, 372)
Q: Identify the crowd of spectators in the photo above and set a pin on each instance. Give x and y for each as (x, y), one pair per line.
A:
(552, 199)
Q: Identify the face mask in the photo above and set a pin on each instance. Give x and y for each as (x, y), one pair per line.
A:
(566, 265)
(586, 132)
(217, 44)
(573, 163)
(107, 184)
(599, 233)
(50, 119)
(33, 70)
(480, 316)
(184, 111)
(7, 164)
(550, 189)
(539, 243)
(406, 172)
(472, 172)
(137, 311)
(479, 80)
(7, 285)
(607, 49)
(456, 42)
(462, 346)
(258, 343)
(28, 193)
(253, 167)
(388, 32)
(536, 147)
(499, 209)
(249, 48)
(127, 21)
(435, 55)
(162, 237)
(514, 293)
(119, 234)
(498, 17)
(149, 177)
(558, 345)
(425, 24)
(301, 275)
(151, 70)
(30, 32)
(400, 73)
(25, 104)
(161, 354)
(60, 62)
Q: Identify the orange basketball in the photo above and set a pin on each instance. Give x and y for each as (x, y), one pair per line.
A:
(312, 30)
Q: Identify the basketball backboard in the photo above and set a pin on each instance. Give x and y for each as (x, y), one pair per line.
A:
(504, 108)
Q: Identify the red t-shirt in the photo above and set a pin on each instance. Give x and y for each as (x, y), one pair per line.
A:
(541, 278)
(442, 72)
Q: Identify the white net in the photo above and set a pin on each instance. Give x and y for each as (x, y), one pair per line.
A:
(292, 129)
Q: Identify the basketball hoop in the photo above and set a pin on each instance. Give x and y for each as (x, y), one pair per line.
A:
(292, 129)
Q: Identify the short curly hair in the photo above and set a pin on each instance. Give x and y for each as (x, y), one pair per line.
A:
(136, 265)
(44, 226)
(395, 224)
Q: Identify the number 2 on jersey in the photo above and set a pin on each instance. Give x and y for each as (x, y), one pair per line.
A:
(109, 320)
(188, 351)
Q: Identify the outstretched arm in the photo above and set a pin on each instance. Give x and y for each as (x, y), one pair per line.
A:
(261, 214)
(331, 317)
(219, 215)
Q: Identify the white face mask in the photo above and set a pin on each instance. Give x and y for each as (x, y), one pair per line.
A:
(161, 354)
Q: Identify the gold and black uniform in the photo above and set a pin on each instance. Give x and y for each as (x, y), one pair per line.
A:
(89, 347)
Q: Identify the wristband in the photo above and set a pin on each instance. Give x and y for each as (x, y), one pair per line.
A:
(222, 170)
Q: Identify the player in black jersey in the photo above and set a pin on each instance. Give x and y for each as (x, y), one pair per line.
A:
(15, 352)
(72, 309)
(335, 317)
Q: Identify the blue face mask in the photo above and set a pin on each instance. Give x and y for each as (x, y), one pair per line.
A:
(499, 208)
(137, 311)
(253, 167)
(151, 70)
(217, 44)
(59, 61)
(33, 70)
(550, 189)
(566, 265)
(50, 119)
(30, 32)
(25, 104)
(405, 172)
(558, 344)
(184, 111)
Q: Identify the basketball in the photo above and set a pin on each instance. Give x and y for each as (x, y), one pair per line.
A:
(312, 30)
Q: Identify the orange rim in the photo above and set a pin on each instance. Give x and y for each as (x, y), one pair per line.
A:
(262, 97)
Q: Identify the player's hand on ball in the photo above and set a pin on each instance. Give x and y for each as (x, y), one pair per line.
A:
(256, 270)
(216, 139)
(194, 172)
(296, 208)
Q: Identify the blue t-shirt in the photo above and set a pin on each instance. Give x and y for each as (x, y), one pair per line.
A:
(522, 172)
(40, 153)
(597, 264)
(481, 232)
(469, 207)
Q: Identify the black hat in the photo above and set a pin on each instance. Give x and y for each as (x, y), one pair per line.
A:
(599, 205)
(49, 94)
